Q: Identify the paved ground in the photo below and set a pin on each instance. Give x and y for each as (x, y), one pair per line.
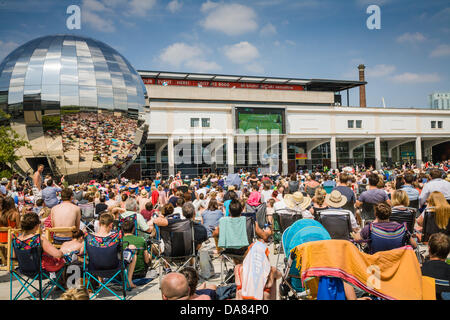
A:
(150, 291)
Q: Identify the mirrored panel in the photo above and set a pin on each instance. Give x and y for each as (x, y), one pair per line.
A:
(77, 101)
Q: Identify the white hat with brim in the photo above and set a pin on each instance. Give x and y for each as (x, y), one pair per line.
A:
(4, 181)
(335, 199)
(297, 199)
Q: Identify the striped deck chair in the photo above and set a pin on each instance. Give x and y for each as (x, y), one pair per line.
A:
(383, 238)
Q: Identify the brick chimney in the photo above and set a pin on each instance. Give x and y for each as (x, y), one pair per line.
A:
(362, 89)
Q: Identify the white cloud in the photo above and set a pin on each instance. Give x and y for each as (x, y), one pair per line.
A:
(411, 37)
(413, 78)
(102, 14)
(208, 5)
(232, 19)
(140, 7)
(290, 42)
(97, 22)
(174, 6)
(442, 50)
(6, 48)
(184, 55)
(380, 70)
(202, 65)
(242, 52)
(268, 30)
(255, 68)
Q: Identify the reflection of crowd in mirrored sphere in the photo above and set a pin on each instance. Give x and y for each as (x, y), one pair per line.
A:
(107, 136)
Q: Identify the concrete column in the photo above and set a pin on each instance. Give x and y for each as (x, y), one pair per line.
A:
(419, 151)
(377, 153)
(284, 157)
(333, 152)
(230, 153)
(171, 156)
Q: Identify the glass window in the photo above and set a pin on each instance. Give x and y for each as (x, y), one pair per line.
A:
(440, 124)
(350, 123)
(205, 122)
(433, 124)
(359, 124)
(195, 122)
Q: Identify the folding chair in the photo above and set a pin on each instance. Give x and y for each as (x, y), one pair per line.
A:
(414, 204)
(367, 213)
(407, 216)
(260, 212)
(179, 246)
(283, 219)
(379, 236)
(429, 226)
(49, 234)
(29, 257)
(103, 258)
(5, 249)
(88, 215)
(338, 225)
(231, 255)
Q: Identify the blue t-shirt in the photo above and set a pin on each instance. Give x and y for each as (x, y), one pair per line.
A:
(157, 182)
(211, 220)
(227, 206)
(373, 196)
(49, 196)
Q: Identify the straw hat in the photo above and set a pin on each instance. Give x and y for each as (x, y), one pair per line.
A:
(144, 192)
(335, 199)
(231, 188)
(297, 199)
(4, 181)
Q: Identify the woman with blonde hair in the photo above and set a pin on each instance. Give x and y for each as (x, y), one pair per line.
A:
(438, 211)
(75, 294)
(401, 212)
(318, 200)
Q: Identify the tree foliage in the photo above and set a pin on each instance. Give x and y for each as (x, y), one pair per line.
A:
(10, 142)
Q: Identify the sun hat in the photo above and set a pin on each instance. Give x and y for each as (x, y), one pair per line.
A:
(4, 181)
(144, 192)
(335, 199)
(297, 199)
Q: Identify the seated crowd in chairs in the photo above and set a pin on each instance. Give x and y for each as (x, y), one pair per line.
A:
(118, 248)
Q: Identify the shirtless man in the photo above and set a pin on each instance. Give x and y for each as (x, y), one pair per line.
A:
(37, 181)
(65, 214)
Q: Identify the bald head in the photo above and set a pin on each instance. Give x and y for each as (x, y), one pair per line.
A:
(174, 286)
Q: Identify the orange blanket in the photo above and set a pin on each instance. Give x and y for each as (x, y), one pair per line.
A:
(393, 274)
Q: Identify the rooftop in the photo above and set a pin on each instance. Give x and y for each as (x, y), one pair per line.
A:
(308, 84)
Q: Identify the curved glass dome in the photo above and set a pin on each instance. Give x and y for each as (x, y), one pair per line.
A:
(77, 101)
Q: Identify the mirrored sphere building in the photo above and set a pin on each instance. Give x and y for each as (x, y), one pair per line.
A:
(77, 101)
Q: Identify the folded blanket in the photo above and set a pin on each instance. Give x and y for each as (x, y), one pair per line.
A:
(233, 232)
(393, 274)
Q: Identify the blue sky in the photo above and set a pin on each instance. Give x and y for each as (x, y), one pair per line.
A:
(407, 59)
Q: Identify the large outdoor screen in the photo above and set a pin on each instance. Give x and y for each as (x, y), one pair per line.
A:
(259, 119)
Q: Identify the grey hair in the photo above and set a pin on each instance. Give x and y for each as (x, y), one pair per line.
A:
(188, 210)
(131, 204)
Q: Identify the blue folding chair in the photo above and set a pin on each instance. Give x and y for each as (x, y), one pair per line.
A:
(103, 258)
(29, 257)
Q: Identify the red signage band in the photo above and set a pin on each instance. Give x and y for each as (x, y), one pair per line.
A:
(221, 84)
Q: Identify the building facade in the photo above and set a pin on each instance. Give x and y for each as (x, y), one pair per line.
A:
(440, 100)
(203, 123)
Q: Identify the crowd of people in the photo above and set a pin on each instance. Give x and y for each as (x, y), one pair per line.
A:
(216, 205)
